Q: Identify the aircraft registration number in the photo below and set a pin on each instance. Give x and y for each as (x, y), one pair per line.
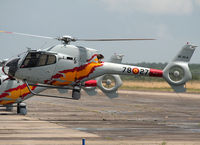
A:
(141, 71)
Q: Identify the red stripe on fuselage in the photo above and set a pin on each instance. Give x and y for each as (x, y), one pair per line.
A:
(77, 69)
(4, 95)
(91, 57)
(19, 88)
(155, 73)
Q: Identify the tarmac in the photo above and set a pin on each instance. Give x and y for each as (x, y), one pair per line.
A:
(135, 117)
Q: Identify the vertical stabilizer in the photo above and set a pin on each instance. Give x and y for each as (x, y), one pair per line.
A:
(177, 72)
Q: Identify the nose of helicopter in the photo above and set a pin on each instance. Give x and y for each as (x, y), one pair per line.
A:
(10, 67)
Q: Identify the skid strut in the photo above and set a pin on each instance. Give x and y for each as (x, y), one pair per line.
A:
(75, 91)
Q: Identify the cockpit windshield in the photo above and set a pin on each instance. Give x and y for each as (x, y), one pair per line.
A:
(36, 59)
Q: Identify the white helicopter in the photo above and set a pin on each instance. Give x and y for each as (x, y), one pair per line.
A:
(66, 66)
(14, 91)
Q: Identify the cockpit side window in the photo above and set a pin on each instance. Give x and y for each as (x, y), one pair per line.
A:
(32, 59)
(42, 60)
(51, 59)
(36, 59)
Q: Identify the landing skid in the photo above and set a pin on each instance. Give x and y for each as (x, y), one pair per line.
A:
(21, 108)
(9, 108)
(76, 94)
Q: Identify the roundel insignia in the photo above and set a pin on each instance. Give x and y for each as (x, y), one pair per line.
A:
(135, 70)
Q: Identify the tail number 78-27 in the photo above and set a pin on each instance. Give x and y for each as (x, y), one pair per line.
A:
(135, 70)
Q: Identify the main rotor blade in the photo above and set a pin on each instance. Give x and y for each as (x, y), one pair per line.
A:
(119, 39)
(68, 39)
(30, 35)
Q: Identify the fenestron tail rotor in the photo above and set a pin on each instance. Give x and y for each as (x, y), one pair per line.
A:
(67, 39)
(176, 73)
(108, 81)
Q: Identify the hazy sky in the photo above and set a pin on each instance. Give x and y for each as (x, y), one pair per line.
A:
(171, 22)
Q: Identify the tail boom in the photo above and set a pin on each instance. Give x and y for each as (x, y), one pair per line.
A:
(121, 69)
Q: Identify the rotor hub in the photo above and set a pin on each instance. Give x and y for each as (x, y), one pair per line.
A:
(176, 73)
(108, 82)
(66, 39)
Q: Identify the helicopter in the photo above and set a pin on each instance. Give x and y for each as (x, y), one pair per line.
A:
(69, 67)
(14, 91)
